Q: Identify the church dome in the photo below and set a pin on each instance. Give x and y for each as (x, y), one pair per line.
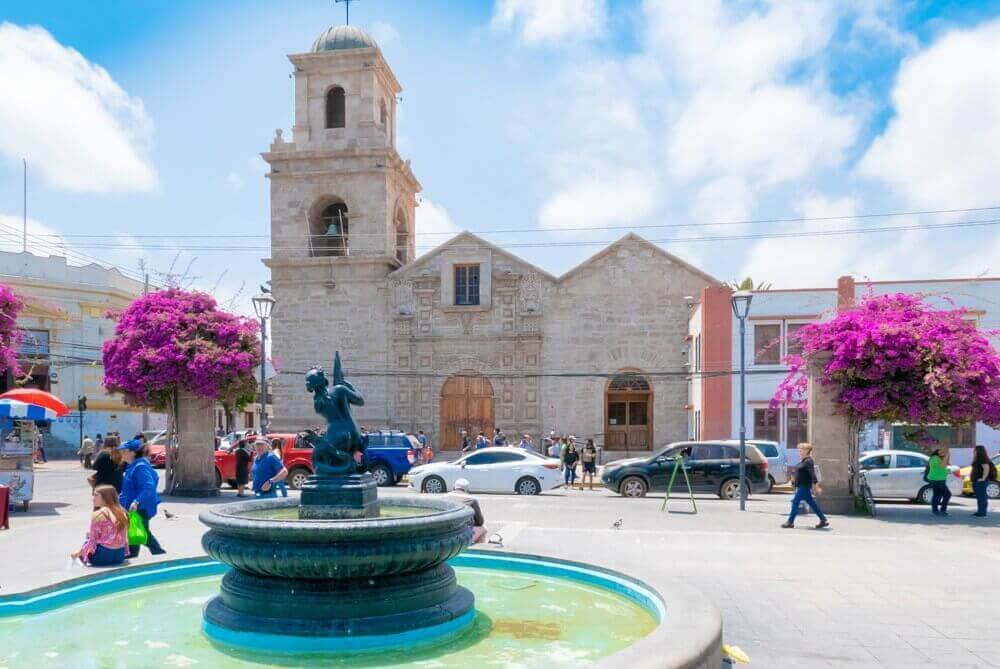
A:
(336, 38)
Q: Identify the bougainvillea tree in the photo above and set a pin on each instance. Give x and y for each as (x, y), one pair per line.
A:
(894, 358)
(172, 342)
(10, 334)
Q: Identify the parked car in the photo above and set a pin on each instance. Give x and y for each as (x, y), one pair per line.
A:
(494, 469)
(387, 455)
(900, 475)
(296, 453)
(156, 445)
(777, 460)
(712, 467)
(992, 488)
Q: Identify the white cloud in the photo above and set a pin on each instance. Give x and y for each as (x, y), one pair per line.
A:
(433, 218)
(941, 148)
(69, 118)
(726, 199)
(234, 182)
(550, 21)
(626, 197)
(384, 33)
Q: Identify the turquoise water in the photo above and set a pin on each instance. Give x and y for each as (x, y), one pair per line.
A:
(522, 620)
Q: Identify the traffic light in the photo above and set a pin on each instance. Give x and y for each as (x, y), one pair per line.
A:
(81, 403)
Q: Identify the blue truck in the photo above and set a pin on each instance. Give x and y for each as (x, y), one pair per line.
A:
(388, 455)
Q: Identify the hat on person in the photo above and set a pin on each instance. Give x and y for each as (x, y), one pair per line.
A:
(462, 484)
(131, 445)
(261, 441)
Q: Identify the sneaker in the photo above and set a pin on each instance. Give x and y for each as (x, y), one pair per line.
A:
(825, 523)
(979, 515)
(787, 525)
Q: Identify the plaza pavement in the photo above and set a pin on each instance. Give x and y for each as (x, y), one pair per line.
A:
(904, 590)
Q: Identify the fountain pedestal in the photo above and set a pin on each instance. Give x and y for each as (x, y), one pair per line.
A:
(332, 496)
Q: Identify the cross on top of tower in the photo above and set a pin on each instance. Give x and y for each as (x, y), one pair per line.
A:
(347, 7)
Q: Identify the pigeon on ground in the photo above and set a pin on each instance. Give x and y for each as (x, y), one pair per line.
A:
(170, 516)
(618, 524)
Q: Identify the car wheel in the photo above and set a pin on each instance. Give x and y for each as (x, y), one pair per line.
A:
(993, 489)
(434, 485)
(926, 495)
(382, 475)
(730, 489)
(527, 486)
(297, 478)
(770, 483)
(218, 479)
(633, 486)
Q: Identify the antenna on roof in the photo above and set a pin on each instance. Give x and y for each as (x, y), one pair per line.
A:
(347, 6)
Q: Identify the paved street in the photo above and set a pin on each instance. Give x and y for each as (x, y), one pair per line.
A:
(900, 591)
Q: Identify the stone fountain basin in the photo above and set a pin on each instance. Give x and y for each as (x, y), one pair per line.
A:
(240, 536)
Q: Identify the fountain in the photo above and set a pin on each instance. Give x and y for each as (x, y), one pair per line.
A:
(343, 572)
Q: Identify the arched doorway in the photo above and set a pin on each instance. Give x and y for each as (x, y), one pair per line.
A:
(466, 404)
(628, 411)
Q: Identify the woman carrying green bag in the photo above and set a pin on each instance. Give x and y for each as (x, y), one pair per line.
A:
(139, 495)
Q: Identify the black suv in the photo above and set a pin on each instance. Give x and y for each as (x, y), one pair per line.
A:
(712, 467)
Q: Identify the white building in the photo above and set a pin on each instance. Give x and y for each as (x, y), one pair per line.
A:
(65, 322)
(774, 314)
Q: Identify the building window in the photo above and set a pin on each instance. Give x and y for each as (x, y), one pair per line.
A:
(767, 344)
(697, 353)
(330, 237)
(383, 114)
(336, 116)
(248, 419)
(796, 427)
(467, 284)
(765, 425)
(35, 343)
(792, 345)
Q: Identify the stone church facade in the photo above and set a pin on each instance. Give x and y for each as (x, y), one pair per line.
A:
(468, 335)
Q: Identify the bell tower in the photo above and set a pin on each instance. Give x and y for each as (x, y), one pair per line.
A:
(339, 188)
(342, 210)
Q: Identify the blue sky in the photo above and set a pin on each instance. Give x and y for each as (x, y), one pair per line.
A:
(145, 118)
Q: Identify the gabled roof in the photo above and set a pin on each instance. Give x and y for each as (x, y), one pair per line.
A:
(466, 237)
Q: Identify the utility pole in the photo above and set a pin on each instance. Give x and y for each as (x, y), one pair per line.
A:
(81, 406)
(24, 203)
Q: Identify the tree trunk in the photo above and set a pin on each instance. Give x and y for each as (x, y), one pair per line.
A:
(833, 440)
(194, 464)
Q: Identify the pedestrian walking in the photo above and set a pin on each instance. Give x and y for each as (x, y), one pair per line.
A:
(104, 545)
(805, 479)
(108, 465)
(39, 448)
(466, 442)
(482, 441)
(138, 493)
(86, 452)
(570, 458)
(499, 438)
(267, 469)
(552, 445)
(278, 450)
(588, 460)
(525, 443)
(983, 471)
(241, 453)
(937, 475)
(98, 441)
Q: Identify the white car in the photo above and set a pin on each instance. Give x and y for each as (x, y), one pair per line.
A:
(499, 469)
(777, 460)
(900, 474)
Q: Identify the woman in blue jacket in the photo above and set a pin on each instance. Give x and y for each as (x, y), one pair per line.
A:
(139, 490)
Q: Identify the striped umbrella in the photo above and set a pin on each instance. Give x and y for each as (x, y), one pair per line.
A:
(37, 396)
(25, 411)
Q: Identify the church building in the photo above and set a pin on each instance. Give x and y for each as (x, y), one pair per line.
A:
(467, 336)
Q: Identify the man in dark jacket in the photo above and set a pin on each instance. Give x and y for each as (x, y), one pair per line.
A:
(805, 477)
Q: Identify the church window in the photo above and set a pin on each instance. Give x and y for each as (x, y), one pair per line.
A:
(402, 241)
(466, 284)
(383, 114)
(330, 239)
(336, 116)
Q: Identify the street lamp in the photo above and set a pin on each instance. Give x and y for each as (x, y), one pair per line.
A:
(262, 305)
(741, 308)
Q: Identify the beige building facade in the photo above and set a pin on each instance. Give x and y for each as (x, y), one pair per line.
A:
(467, 336)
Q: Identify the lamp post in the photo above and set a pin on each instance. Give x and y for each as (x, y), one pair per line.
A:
(741, 308)
(262, 305)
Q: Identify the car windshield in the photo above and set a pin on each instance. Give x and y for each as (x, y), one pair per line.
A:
(769, 450)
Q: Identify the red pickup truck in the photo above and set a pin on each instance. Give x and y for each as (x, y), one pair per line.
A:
(295, 452)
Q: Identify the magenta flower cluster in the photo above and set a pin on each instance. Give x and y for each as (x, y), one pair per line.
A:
(10, 334)
(894, 358)
(173, 341)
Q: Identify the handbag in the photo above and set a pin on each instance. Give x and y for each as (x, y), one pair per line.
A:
(137, 535)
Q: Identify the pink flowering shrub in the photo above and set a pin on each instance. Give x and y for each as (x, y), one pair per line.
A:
(174, 340)
(10, 334)
(894, 358)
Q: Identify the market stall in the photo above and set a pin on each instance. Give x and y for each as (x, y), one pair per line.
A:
(18, 436)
